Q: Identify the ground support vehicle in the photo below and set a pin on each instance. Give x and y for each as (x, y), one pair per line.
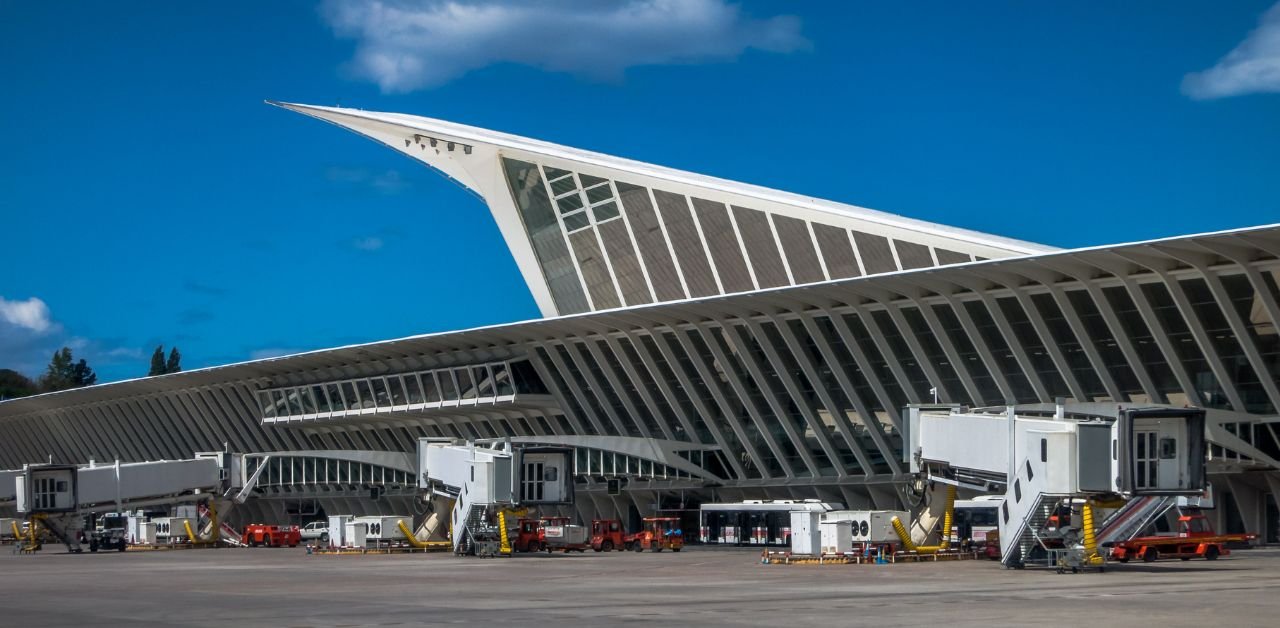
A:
(528, 535)
(111, 532)
(659, 533)
(1195, 539)
(259, 534)
(560, 535)
(607, 535)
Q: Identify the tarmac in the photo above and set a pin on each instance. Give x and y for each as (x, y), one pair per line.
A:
(697, 587)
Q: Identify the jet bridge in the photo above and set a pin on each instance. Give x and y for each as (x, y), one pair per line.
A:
(58, 496)
(1048, 459)
(485, 482)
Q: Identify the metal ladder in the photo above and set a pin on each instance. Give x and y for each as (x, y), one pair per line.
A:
(1023, 513)
(1134, 517)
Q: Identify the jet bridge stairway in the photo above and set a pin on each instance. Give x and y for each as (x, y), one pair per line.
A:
(1134, 517)
(1023, 514)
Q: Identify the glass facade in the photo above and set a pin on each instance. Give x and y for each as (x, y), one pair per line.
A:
(603, 243)
(491, 382)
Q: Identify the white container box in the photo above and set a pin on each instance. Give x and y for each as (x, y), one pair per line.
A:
(6, 528)
(171, 529)
(146, 534)
(837, 536)
(806, 538)
(870, 526)
(338, 529)
(384, 527)
(353, 534)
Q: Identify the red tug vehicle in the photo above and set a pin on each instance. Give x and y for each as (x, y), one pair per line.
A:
(1195, 539)
(659, 533)
(260, 534)
(607, 535)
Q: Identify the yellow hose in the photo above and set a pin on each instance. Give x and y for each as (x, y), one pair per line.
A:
(17, 532)
(945, 541)
(1090, 538)
(505, 548)
(410, 536)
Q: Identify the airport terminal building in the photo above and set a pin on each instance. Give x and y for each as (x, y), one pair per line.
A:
(707, 340)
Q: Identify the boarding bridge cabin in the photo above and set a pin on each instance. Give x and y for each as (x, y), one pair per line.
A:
(486, 481)
(1049, 459)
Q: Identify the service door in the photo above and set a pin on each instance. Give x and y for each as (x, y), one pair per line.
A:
(1145, 460)
(1170, 461)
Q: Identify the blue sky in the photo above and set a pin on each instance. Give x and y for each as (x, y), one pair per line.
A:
(148, 196)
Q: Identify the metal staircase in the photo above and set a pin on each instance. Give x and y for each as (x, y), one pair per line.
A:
(1134, 517)
(1024, 512)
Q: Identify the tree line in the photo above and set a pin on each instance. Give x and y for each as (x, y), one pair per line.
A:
(65, 372)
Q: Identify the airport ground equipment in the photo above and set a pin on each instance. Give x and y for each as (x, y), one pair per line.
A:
(657, 534)
(264, 535)
(868, 527)
(109, 531)
(528, 535)
(754, 522)
(559, 534)
(57, 498)
(486, 482)
(608, 535)
(806, 535)
(1195, 538)
(380, 529)
(1057, 460)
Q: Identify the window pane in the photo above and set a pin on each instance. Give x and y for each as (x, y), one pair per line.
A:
(349, 392)
(322, 402)
(599, 193)
(563, 185)
(430, 389)
(502, 379)
(484, 383)
(412, 389)
(569, 203)
(366, 395)
(465, 386)
(576, 221)
(448, 390)
(605, 212)
(397, 390)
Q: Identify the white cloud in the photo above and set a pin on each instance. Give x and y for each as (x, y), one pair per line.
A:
(1252, 67)
(404, 45)
(369, 243)
(32, 314)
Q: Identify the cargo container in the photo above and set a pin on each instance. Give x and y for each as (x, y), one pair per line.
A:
(806, 537)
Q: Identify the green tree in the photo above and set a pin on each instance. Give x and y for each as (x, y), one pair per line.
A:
(64, 373)
(174, 364)
(14, 384)
(82, 375)
(157, 362)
